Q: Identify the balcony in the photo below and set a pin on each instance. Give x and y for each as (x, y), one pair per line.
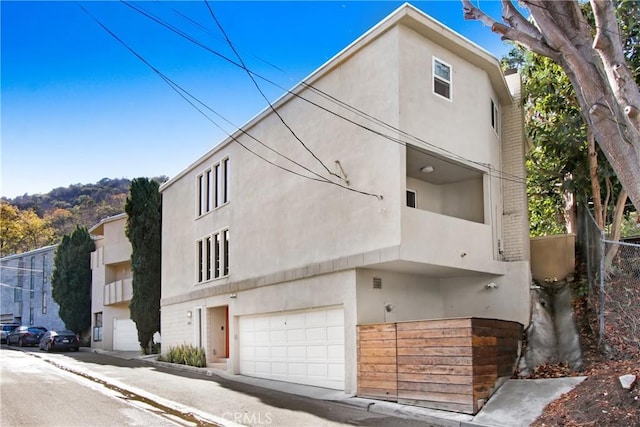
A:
(449, 244)
(118, 292)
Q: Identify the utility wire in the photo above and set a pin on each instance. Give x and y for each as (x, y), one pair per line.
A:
(184, 93)
(244, 67)
(218, 54)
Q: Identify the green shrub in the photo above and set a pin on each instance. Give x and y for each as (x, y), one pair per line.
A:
(185, 355)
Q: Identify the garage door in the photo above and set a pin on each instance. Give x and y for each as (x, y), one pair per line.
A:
(304, 347)
(125, 335)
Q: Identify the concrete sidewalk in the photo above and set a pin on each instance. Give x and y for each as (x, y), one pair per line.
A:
(516, 404)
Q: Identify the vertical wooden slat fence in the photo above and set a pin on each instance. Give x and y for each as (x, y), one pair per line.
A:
(448, 364)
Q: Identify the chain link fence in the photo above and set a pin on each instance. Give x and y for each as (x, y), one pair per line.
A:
(613, 284)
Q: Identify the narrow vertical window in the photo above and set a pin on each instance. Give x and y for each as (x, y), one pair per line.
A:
(216, 249)
(32, 279)
(218, 186)
(411, 199)
(44, 303)
(200, 260)
(97, 328)
(44, 270)
(226, 252)
(495, 117)
(225, 184)
(208, 257)
(200, 195)
(442, 78)
(31, 313)
(207, 194)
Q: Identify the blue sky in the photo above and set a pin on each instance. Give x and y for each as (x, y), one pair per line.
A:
(77, 106)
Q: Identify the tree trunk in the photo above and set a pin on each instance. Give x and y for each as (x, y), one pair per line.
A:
(595, 183)
(616, 229)
(596, 67)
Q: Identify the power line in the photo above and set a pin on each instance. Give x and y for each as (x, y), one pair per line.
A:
(501, 174)
(184, 93)
(244, 67)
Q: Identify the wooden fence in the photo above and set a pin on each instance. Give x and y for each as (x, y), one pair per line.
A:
(448, 364)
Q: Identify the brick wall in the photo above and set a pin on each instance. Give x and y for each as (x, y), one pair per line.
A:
(515, 220)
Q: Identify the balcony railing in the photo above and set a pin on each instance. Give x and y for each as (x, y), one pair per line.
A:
(448, 241)
(118, 292)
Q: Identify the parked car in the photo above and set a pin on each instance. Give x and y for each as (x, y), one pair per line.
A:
(5, 328)
(26, 335)
(59, 340)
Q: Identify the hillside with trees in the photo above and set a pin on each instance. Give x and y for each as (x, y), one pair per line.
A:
(30, 221)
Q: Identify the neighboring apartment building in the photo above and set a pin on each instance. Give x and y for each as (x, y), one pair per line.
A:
(111, 288)
(271, 272)
(25, 289)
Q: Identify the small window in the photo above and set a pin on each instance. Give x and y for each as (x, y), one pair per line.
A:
(412, 200)
(442, 78)
(495, 117)
(97, 328)
(44, 303)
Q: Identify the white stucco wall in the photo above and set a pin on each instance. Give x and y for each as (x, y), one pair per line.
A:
(477, 296)
(411, 297)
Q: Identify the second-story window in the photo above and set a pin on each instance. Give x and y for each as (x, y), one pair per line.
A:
(32, 281)
(213, 256)
(442, 78)
(212, 187)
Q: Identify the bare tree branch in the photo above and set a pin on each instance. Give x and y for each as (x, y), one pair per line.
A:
(514, 18)
(607, 94)
(530, 42)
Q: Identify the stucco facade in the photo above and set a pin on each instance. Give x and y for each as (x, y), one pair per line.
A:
(271, 272)
(25, 291)
(111, 287)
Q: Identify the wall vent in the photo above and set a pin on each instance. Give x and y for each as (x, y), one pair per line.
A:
(377, 283)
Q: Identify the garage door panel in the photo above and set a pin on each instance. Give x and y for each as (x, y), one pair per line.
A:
(304, 347)
(317, 334)
(125, 335)
(296, 335)
(316, 352)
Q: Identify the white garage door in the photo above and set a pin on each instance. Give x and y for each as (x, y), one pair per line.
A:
(304, 347)
(125, 335)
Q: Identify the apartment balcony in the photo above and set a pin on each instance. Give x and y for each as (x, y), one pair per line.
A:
(118, 292)
(447, 245)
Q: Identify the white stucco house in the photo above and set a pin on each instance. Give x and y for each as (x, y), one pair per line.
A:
(111, 287)
(424, 216)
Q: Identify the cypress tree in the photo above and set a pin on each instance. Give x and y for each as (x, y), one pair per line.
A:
(144, 221)
(71, 280)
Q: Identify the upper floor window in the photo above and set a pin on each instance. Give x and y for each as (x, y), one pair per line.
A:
(212, 187)
(442, 78)
(495, 117)
(213, 256)
(412, 199)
